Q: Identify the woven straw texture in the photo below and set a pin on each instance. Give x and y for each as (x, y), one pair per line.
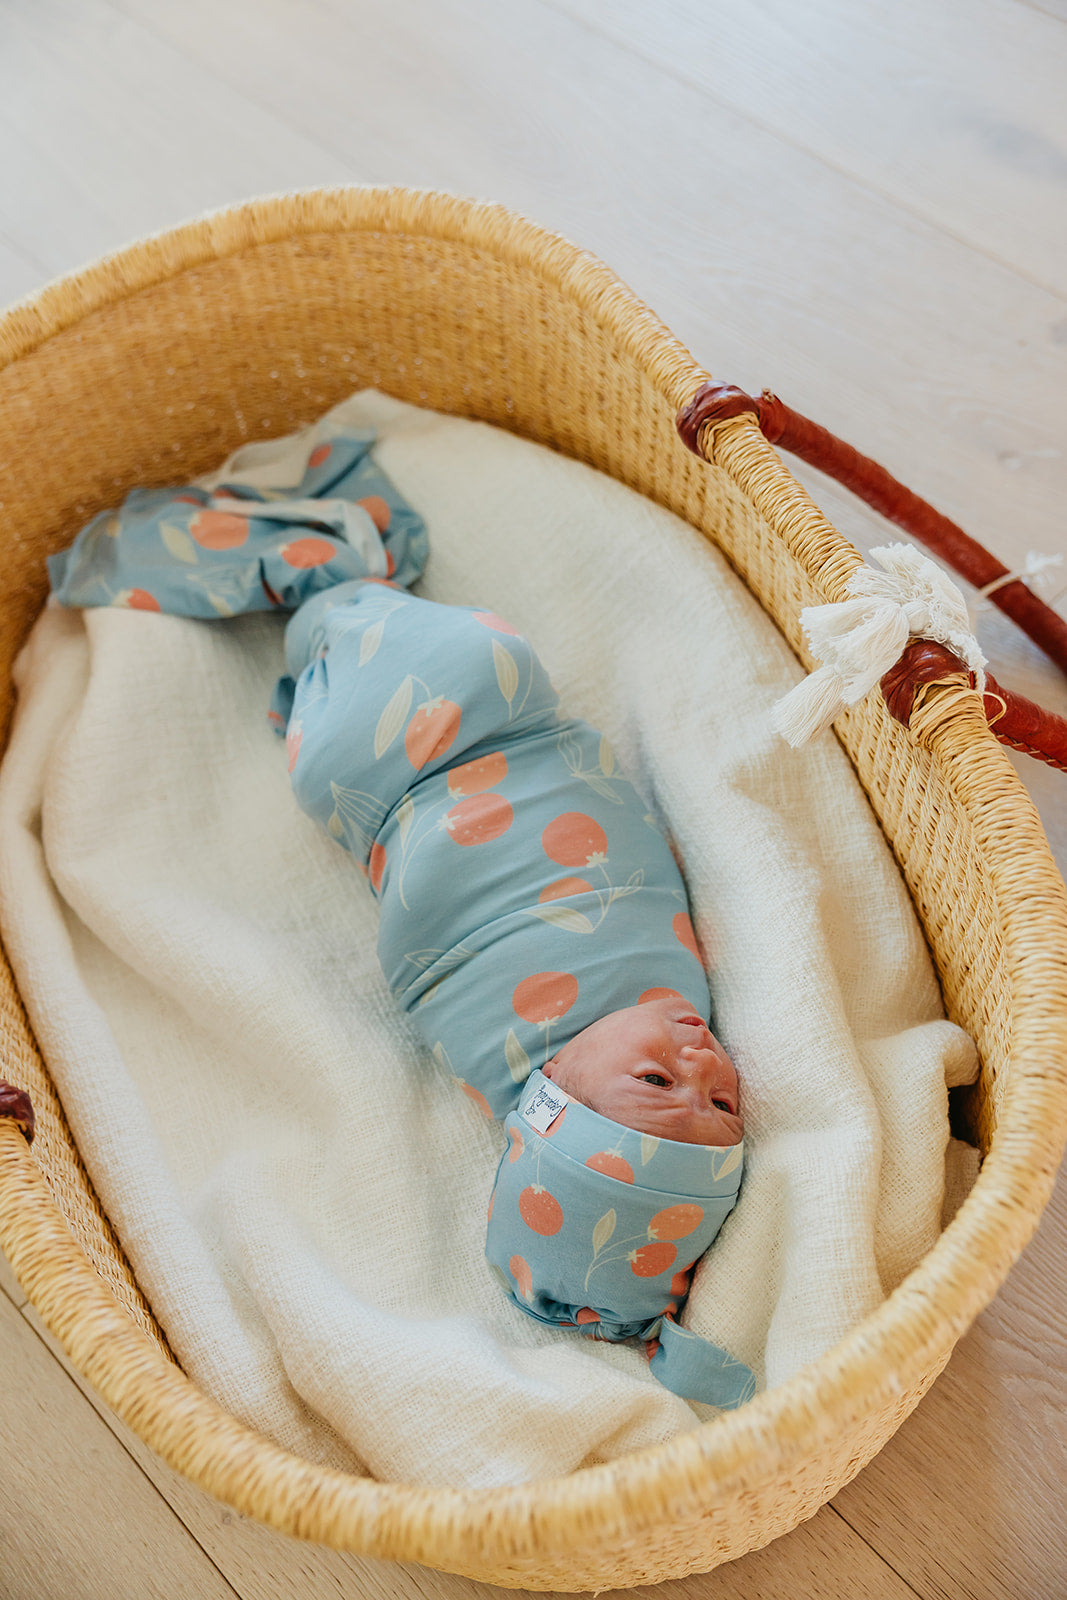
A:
(150, 367)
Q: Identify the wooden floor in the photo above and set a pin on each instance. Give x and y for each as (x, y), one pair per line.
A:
(859, 205)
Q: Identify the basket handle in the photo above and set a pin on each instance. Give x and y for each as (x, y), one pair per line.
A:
(16, 1104)
(1015, 720)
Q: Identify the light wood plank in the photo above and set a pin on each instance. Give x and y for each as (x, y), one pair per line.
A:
(66, 1490)
(968, 1501)
(776, 268)
(772, 267)
(956, 112)
(131, 140)
(263, 1565)
(10, 1285)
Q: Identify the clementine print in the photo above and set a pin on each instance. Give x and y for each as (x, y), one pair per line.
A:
(544, 996)
(478, 1098)
(377, 510)
(320, 454)
(431, 731)
(683, 932)
(492, 1203)
(307, 552)
(520, 1271)
(574, 840)
(563, 887)
(141, 600)
(611, 1165)
(680, 1284)
(675, 1222)
(479, 819)
(475, 776)
(489, 619)
(649, 1260)
(219, 530)
(540, 1210)
(516, 1144)
(377, 866)
(658, 994)
(292, 743)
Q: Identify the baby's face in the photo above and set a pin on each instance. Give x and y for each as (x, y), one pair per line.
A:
(656, 1067)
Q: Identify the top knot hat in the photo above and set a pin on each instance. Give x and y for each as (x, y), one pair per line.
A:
(596, 1226)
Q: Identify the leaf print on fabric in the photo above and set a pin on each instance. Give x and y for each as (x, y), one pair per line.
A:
(507, 673)
(335, 826)
(517, 1059)
(362, 814)
(649, 1146)
(562, 917)
(571, 749)
(603, 1230)
(607, 756)
(372, 638)
(178, 543)
(392, 718)
(722, 1166)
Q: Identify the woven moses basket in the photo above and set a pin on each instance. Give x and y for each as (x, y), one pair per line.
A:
(150, 367)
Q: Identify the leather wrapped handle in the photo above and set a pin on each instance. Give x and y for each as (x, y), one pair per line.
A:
(16, 1104)
(1015, 720)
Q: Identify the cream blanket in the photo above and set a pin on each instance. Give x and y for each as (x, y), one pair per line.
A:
(300, 1190)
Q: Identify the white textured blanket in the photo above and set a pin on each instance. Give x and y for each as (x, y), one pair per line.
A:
(301, 1191)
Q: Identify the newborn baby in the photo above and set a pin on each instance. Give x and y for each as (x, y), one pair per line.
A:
(534, 924)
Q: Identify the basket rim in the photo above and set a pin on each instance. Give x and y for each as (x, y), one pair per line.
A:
(886, 1354)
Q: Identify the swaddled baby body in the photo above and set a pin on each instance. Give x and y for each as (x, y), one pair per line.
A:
(534, 924)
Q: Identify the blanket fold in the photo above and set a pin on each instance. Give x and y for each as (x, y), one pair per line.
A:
(190, 946)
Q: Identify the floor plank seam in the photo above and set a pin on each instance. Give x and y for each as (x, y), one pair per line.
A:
(869, 188)
(108, 1419)
(875, 1551)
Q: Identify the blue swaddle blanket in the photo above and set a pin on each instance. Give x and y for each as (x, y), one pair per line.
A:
(525, 892)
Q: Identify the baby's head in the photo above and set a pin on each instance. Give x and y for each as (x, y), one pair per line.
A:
(656, 1067)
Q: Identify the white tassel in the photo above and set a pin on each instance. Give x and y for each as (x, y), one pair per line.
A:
(858, 640)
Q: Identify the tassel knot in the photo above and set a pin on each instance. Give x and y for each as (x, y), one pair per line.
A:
(858, 640)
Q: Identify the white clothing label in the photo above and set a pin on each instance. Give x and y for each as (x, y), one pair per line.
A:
(544, 1108)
